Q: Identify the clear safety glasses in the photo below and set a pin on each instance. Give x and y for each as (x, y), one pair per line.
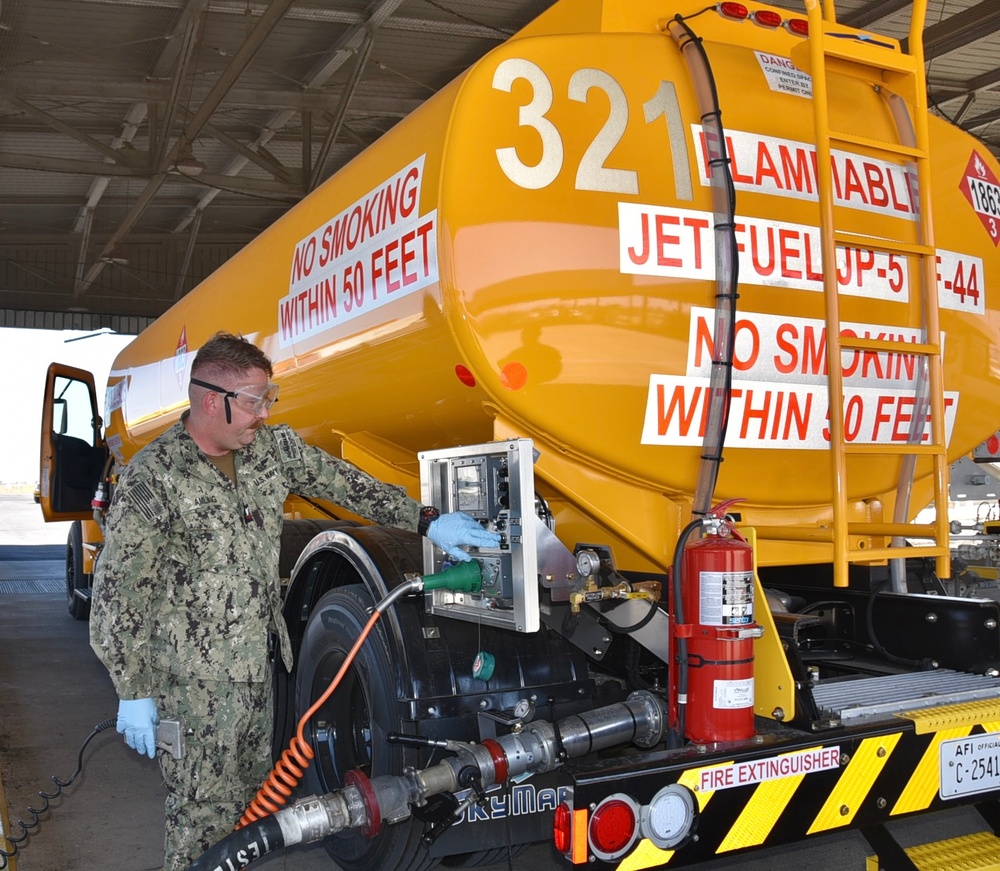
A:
(249, 401)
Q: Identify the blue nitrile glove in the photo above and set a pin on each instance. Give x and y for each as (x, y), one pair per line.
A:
(450, 530)
(137, 720)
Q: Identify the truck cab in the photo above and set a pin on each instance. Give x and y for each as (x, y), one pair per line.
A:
(73, 457)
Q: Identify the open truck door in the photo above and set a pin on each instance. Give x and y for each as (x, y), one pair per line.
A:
(72, 452)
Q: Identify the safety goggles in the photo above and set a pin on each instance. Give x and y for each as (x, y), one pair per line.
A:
(247, 400)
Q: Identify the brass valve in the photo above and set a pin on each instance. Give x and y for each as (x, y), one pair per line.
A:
(648, 590)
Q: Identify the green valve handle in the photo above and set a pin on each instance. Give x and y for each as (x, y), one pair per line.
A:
(465, 578)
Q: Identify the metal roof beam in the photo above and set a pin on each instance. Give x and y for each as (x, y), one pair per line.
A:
(53, 122)
(335, 16)
(88, 90)
(262, 158)
(876, 12)
(189, 42)
(171, 56)
(188, 254)
(73, 167)
(982, 120)
(960, 30)
(240, 61)
(377, 12)
(364, 53)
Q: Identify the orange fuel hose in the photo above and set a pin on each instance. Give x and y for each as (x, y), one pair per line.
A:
(289, 769)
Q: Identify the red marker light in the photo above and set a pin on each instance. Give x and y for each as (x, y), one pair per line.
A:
(766, 18)
(736, 11)
(562, 828)
(613, 827)
(465, 376)
(798, 26)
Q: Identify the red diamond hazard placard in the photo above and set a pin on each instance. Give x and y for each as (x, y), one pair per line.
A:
(982, 190)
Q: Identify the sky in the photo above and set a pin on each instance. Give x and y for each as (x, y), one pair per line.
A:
(24, 358)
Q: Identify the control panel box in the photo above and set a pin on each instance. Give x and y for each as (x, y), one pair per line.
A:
(494, 484)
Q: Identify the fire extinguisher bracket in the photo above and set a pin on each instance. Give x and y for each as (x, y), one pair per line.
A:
(741, 633)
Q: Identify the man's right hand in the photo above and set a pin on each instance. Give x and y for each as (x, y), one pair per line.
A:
(455, 528)
(137, 721)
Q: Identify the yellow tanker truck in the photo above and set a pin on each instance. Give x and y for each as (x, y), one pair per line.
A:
(694, 305)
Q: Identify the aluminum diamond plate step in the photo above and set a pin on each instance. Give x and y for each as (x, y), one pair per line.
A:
(879, 697)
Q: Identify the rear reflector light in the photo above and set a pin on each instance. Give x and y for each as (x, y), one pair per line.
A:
(465, 376)
(614, 827)
(736, 11)
(766, 18)
(569, 832)
(798, 26)
(562, 828)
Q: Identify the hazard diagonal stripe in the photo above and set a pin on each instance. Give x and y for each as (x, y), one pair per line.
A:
(854, 784)
(647, 854)
(757, 819)
(922, 786)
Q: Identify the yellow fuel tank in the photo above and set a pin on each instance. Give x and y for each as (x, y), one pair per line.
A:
(532, 253)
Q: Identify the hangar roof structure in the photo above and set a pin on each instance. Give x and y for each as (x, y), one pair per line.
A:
(144, 142)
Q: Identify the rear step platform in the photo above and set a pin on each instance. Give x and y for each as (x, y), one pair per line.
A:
(977, 852)
(874, 698)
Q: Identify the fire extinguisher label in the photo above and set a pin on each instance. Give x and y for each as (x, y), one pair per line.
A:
(729, 694)
(726, 598)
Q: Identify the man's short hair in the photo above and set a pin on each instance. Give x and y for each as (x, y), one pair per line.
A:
(226, 354)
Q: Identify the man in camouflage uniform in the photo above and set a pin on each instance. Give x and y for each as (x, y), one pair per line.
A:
(187, 586)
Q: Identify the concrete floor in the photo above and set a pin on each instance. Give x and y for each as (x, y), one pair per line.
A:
(53, 691)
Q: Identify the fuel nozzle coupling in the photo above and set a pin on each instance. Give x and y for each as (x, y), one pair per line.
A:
(465, 577)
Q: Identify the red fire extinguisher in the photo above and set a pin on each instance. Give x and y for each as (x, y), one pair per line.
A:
(717, 586)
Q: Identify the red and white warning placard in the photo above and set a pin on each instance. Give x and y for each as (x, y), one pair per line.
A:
(982, 190)
(768, 415)
(375, 251)
(783, 76)
(779, 395)
(787, 168)
(792, 349)
(680, 243)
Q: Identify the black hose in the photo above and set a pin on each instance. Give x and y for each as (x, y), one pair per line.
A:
(727, 262)
(242, 847)
(16, 840)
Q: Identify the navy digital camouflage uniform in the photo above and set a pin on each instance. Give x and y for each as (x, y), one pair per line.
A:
(185, 592)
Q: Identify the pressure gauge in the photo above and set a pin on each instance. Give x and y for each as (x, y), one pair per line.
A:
(524, 710)
(669, 818)
(587, 563)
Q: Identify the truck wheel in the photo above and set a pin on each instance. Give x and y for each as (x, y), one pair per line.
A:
(349, 730)
(79, 608)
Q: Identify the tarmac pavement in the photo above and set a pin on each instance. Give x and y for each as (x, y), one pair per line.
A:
(53, 691)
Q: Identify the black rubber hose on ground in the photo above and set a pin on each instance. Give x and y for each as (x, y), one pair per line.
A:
(242, 847)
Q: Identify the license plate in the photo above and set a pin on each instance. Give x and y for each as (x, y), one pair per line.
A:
(970, 765)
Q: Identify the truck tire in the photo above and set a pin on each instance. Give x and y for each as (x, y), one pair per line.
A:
(349, 731)
(79, 608)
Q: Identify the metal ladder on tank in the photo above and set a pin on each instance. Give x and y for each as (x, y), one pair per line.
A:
(903, 76)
